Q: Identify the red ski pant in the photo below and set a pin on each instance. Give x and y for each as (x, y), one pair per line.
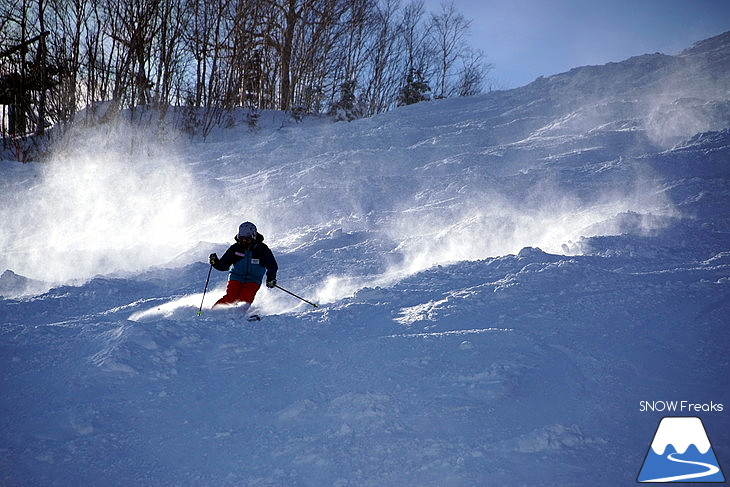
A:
(238, 292)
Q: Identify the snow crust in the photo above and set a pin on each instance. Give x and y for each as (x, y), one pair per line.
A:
(502, 280)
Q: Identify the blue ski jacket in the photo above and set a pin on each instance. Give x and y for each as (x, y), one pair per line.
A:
(248, 263)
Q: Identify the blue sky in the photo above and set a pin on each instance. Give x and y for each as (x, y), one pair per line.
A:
(525, 39)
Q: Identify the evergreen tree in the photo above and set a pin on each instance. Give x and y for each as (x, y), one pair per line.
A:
(415, 89)
(347, 107)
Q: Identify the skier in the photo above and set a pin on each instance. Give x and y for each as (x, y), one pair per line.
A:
(247, 261)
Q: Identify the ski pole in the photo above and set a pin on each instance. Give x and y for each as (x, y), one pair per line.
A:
(200, 311)
(298, 297)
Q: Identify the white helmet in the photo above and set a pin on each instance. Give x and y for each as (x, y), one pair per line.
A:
(247, 230)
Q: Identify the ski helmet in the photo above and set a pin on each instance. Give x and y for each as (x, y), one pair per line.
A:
(247, 230)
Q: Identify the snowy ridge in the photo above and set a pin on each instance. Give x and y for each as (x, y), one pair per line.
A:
(502, 280)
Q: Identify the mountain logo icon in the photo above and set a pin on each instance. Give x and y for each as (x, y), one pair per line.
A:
(680, 452)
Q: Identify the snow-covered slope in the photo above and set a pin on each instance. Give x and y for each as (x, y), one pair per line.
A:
(503, 279)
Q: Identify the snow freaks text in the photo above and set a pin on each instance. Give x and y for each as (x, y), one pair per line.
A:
(680, 407)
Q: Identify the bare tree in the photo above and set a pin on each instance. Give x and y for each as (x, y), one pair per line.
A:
(64, 48)
(289, 14)
(384, 57)
(416, 43)
(99, 55)
(41, 71)
(447, 30)
(133, 29)
(473, 73)
(168, 56)
(59, 56)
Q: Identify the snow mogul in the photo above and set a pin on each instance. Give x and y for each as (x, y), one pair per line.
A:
(247, 262)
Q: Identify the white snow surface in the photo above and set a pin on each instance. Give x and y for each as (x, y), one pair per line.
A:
(502, 280)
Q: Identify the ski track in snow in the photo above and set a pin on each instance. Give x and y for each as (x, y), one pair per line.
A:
(502, 280)
(450, 333)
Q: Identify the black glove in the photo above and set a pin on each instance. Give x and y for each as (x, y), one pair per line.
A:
(213, 259)
(271, 283)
